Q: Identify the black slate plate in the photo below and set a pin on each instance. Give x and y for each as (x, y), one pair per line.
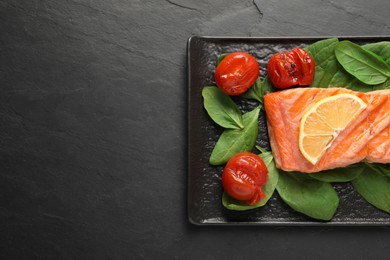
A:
(204, 180)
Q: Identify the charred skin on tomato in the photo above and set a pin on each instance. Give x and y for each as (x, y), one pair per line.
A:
(288, 69)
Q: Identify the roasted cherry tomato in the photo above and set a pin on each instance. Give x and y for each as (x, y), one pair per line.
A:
(243, 177)
(287, 69)
(236, 73)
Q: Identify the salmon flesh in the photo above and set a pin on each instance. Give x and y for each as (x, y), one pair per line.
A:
(367, 138)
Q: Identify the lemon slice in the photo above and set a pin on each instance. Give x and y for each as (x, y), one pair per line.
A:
(323, 122)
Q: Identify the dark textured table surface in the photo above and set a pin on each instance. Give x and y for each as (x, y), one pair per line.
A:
(93, 128)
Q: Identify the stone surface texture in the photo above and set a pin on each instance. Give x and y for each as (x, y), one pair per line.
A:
(93, 138)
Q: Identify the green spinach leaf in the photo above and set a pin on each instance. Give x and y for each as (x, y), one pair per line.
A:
(382, 169)
(343, 79)
(233, 141)
(221, 57)
(326, 63)
(221, 108)
(375, 188)
(381, 49)
(258, 90)
(345, 174)
(268, 189)
(313, 198)
(363, 64)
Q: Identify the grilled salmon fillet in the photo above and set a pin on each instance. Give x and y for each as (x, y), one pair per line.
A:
(365, 138)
